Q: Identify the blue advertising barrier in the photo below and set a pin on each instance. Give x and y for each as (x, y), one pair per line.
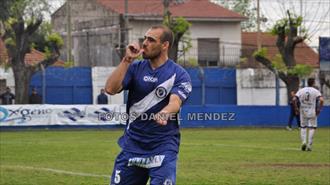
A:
(245, 116)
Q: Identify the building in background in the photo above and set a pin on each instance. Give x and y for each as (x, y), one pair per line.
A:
(97, 26)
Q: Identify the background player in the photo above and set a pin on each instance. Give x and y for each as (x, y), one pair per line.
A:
(157, 86)
(311, 103)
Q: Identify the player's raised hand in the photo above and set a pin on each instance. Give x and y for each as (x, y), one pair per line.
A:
(133, 51)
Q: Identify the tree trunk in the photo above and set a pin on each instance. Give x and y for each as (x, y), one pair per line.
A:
(173, 53)
(292, 84)
(22, 76)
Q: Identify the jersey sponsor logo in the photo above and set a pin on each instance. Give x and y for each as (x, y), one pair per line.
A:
(149, 162)
(161, 92)
(150, 79)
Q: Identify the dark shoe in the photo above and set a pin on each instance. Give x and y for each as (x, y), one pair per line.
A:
(303, 147)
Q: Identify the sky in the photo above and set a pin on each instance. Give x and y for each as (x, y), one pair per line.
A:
(315, 13)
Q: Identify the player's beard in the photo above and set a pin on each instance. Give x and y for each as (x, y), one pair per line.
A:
(151, 55)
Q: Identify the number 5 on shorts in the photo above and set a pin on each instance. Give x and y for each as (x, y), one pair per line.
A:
(117, 176)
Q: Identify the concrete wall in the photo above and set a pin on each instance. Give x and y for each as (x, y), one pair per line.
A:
(229, 34)
(8, 75)
(82, 11)
(326, 90)
(99, 77)
(257, 87)
(95, 33)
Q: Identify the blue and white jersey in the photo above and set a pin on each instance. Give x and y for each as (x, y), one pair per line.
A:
(149, 92)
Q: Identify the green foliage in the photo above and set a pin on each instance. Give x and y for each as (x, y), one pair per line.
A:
(69, 64)
(283, 25)
(245, 8)
(243, 59)
(38, 38)
(55, 39)
(180, 25)
(279, 26)
(191, 62)
(301, 70)
(262, 52)
(180, 28)
(278, 63)
(10, 42)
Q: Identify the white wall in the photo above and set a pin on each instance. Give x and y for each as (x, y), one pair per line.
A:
(229, 34)
(8, 75)
(257, 87)
(99, 77)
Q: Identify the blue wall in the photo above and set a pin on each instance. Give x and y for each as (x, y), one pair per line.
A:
(65, 86)
(230, 116)
(220, 86)
(74, 86)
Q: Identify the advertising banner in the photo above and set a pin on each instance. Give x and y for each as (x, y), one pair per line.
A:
(32, 115)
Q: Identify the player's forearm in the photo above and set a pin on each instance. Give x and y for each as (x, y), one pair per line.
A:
(114, 82)
(321, 104)
(171, 108)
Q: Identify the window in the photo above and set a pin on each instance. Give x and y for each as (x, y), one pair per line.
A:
(208, 52)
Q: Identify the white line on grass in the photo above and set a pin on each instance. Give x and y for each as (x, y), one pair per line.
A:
(54, 171)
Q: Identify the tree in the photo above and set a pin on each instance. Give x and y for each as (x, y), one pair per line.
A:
(284, 64)
(245, 8)
(21, 21)
(179, 27)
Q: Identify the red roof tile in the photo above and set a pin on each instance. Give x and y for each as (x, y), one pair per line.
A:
(31, 58)
(303, 53)
(189, 9)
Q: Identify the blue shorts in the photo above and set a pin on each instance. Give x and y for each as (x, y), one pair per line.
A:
(135, 169)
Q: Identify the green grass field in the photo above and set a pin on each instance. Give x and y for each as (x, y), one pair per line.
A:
(207, 157)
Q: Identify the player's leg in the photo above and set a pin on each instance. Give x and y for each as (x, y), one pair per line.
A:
(298, 121)
(289, 127)
(303, 132)
(312, 128)
(127, 175)
(166, 173)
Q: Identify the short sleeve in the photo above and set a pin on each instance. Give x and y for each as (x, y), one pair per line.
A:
(182, 85)
(298, 94)
(318, 93)
(127, 82)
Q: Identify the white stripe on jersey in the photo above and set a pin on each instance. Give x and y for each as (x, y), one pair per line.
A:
(150, 100)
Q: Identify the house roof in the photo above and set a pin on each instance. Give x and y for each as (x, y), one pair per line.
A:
(193, 9)
(303, 53)
(31, 58)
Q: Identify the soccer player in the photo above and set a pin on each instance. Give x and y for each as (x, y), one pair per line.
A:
(293, 112)
(311, 103)
(157, 88)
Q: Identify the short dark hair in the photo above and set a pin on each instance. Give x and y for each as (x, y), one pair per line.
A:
(167, 34)
(310, 82)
